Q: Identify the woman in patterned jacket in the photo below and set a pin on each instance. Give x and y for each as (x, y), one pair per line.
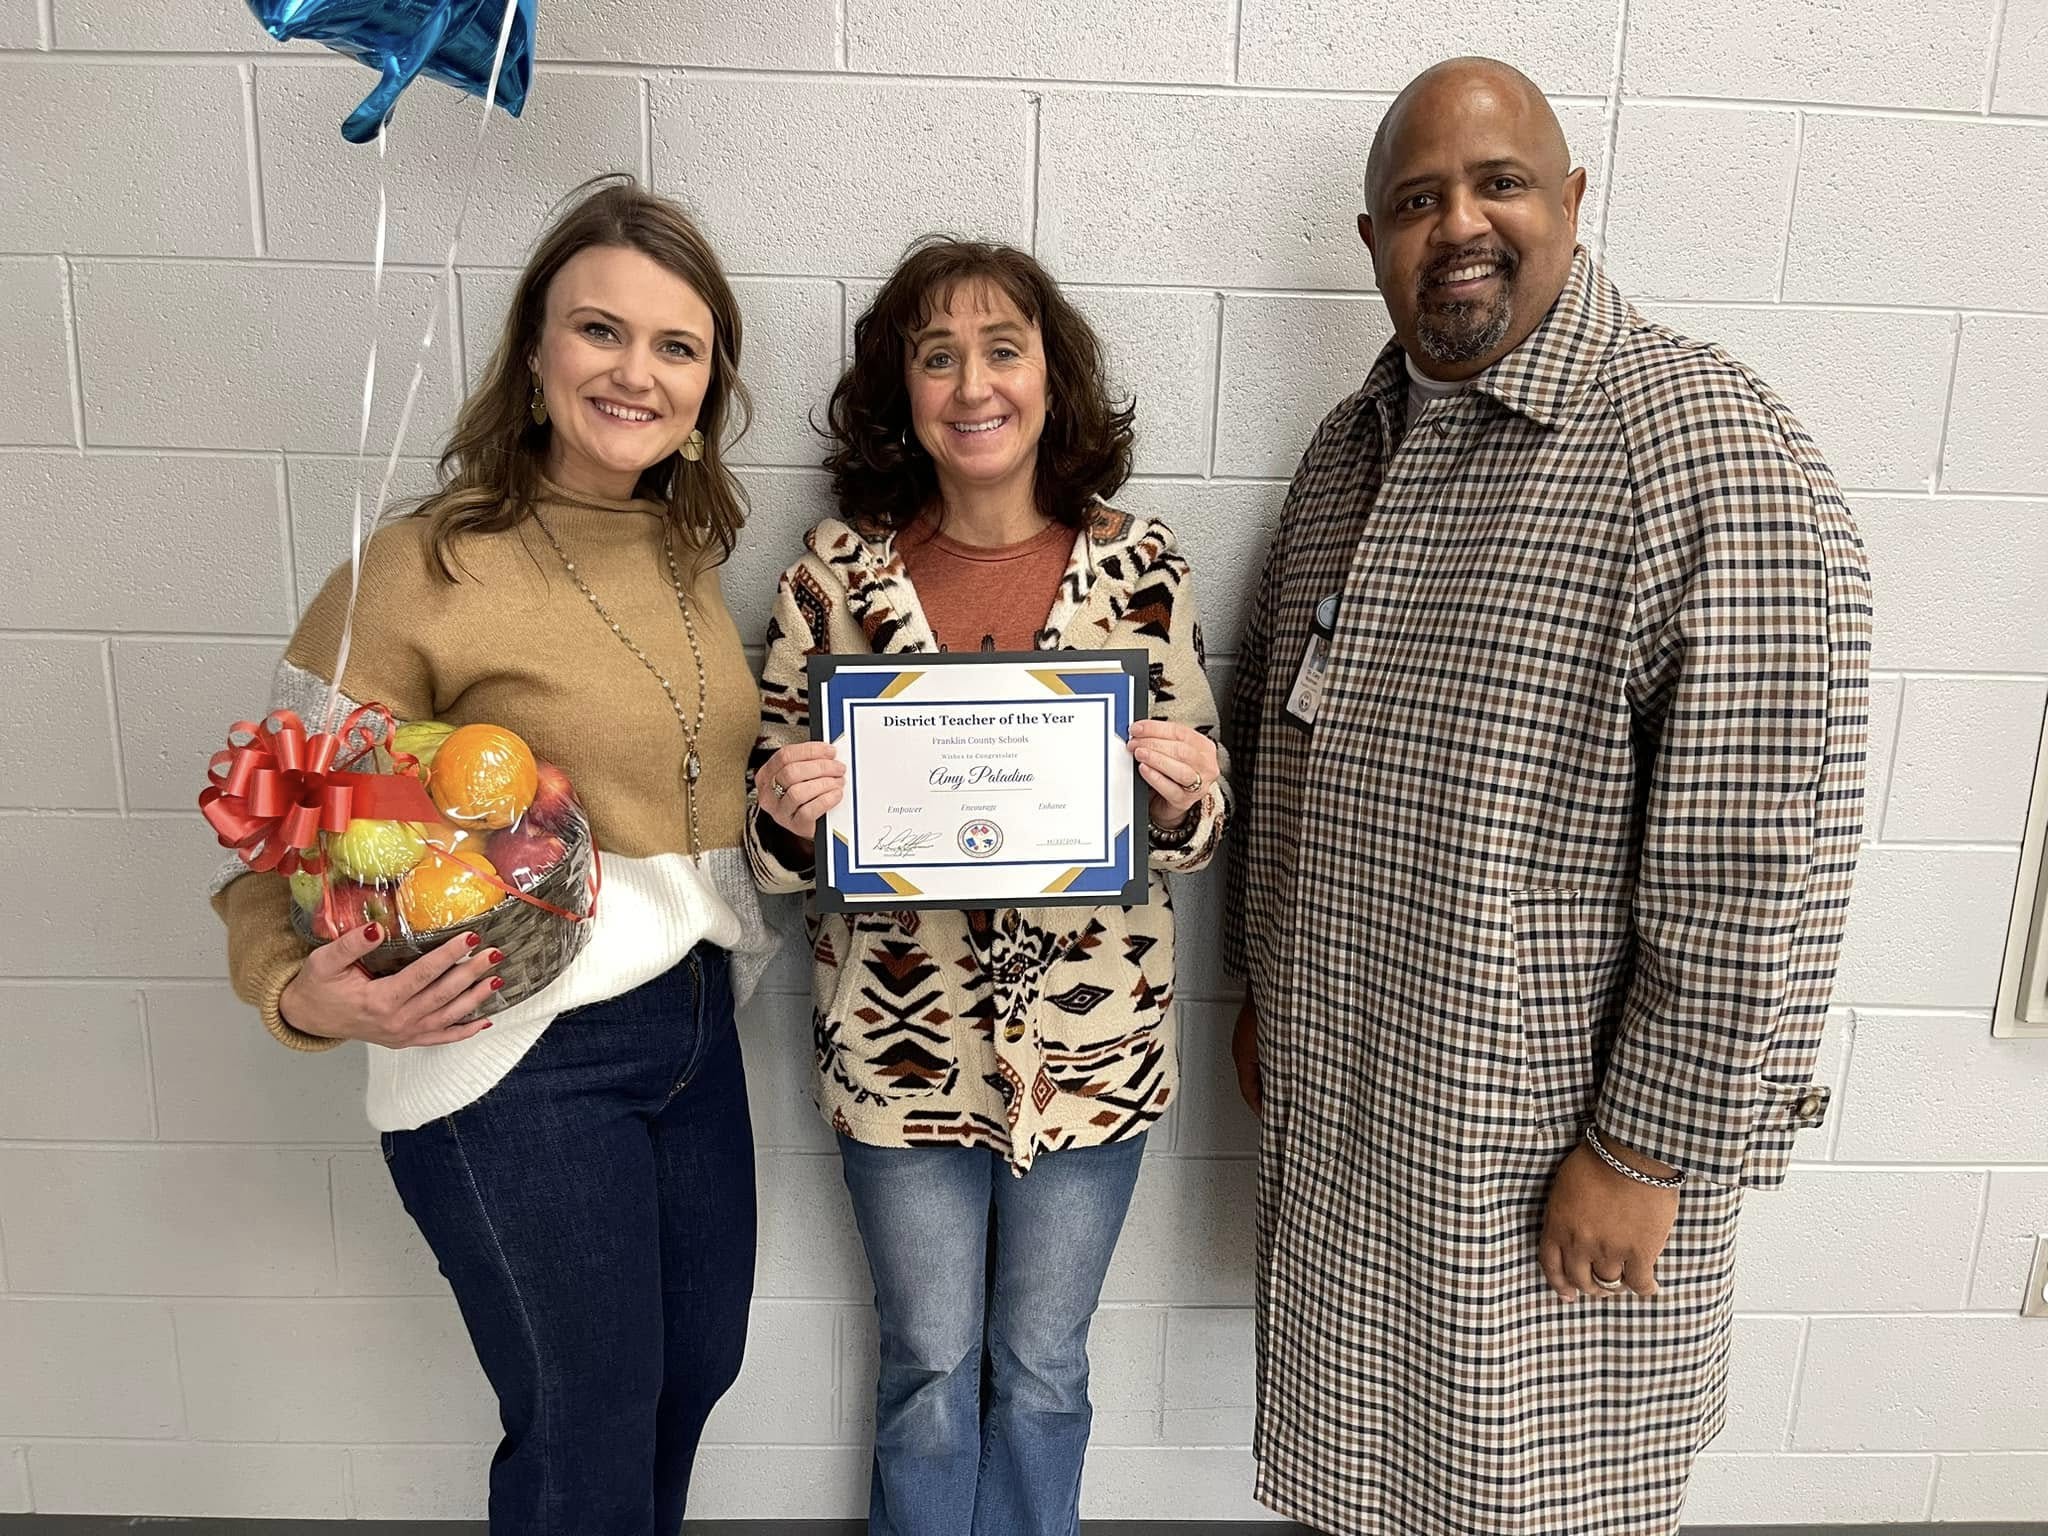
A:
(986, 1066)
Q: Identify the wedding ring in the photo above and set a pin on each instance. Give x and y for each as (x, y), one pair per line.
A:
(781, 789)
(1196, 787)
(1606, 1284)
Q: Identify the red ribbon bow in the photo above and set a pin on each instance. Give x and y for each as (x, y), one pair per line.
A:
(275, 788)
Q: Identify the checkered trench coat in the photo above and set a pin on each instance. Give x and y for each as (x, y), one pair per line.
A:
(1571, 840)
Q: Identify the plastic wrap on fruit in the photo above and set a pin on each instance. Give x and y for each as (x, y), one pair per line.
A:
(477, 834)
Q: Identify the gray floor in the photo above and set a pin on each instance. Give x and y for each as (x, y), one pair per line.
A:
(108, 1525)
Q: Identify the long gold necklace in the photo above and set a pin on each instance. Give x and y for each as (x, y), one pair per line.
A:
(693, 765)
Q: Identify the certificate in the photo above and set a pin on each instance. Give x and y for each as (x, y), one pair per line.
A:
(983, 780)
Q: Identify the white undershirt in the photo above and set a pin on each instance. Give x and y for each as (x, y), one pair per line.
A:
(1422, 389)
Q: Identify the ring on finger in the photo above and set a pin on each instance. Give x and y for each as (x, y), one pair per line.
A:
(781, 789)
(1195, 788)
(1607, 1285)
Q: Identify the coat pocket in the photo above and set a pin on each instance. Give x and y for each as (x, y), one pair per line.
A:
(888, 1035)
(1558, 1048)
(1102, 1006)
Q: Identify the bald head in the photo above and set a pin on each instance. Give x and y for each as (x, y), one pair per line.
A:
(1463, 84)
(1472, 214)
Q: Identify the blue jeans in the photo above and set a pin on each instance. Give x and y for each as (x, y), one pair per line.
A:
(594, 1214)
(945, 1463)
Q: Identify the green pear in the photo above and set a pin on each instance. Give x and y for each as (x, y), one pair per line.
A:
(421, 739)
(376, 852)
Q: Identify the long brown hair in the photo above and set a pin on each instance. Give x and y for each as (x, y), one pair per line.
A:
(882, 475)
(491, 469)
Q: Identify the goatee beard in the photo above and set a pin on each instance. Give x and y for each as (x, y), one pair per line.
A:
(1464, 330)
(1459, 333)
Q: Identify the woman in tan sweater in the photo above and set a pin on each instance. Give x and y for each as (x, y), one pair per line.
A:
(986, 1068)
(581, 1163)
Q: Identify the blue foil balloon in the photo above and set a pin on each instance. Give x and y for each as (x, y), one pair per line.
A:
(452, 40)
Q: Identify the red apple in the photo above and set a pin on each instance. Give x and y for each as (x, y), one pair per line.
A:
(523, 854)
(553, 800)
(348, 906)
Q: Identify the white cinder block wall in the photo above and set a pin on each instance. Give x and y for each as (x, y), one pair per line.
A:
(210, 1302)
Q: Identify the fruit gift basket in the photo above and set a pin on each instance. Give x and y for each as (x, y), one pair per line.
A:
(426, 829)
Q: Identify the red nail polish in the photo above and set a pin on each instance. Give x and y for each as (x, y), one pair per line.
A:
(497, 982)
(373, 933)
(487, 1023)
(496, 955)
(472, 939)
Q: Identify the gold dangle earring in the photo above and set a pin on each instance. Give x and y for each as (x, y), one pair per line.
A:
(693, 445)
(537, 407)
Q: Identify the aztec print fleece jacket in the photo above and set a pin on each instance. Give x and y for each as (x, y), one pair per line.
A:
(1023, 1029)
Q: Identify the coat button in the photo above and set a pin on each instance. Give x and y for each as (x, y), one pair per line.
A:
(1810, 1104)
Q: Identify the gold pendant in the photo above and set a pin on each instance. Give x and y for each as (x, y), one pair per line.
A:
(693, 767)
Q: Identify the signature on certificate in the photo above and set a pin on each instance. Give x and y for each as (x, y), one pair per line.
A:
(902, 840)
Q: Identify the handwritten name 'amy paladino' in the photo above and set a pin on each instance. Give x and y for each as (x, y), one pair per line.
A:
(981, 775)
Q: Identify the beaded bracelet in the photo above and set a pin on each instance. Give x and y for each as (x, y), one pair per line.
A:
(1593, 1140)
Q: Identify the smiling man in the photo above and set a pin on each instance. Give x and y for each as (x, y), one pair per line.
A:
(1473, 215)
(1551, 721)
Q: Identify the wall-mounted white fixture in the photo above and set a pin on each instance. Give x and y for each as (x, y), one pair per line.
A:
(2023, 982)
(2035, 1303)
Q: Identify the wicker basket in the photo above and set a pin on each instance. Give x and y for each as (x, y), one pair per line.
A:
(537, 945)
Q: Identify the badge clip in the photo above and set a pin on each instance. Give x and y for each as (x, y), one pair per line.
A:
(1305, 698)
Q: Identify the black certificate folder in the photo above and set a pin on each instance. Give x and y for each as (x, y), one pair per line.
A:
(985, 779)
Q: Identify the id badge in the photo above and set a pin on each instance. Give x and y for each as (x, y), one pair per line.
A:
(1305, 698)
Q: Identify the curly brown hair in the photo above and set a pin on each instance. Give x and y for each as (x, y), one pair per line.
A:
(883, 477)
(490, 471)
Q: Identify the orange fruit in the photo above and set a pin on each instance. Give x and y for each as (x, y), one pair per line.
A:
(445, 889)
(483, 776)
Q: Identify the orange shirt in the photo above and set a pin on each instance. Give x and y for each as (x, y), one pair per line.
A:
(985, 598)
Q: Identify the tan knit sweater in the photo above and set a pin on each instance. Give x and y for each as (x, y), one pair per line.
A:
(513, 642)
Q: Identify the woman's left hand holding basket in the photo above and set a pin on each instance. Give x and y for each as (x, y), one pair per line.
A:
(432, 1001)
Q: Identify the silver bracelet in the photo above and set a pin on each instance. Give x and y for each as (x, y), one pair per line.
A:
(1593, 1140)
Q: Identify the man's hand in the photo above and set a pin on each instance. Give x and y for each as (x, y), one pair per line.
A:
(1602, 1225)
(1244, 1050)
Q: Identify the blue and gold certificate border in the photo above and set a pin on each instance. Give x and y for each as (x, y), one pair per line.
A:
(841, 680)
